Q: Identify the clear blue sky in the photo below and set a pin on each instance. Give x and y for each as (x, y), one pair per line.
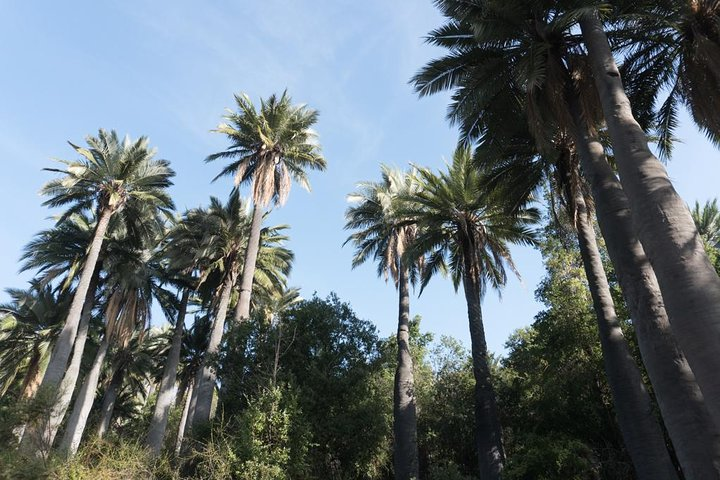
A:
(168, 69)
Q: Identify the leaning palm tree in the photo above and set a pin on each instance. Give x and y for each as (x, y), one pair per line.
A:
(269, 148)
(110, 178)
(553, 103)
(467, 229)
(383, 235)
(688, 281)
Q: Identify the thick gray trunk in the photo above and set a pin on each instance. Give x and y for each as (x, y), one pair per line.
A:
(694, 435)
(689, 284)
(405, 459)
(205, 382)
(83, 404)
(156, 433)
(64, 344)
(639, 426)
(488, 433)
(183, 420)
(251, 253)
(108, 401)
(42, 435)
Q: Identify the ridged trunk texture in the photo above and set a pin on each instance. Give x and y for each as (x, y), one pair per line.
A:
(158, 424)
(488, 433)
(640, 428)
(205, 381)
(248, 274)
(689, 284)
(83, 404)
(33, 376)
(42, 435)
(694, 435)
(64, 344)
(108, 401)
(405, 458)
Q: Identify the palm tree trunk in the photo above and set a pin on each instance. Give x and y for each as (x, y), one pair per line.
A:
(43, 435)
(405, 459)
(59, 359)
(639, 426)
(33, 376)
(108, 401)
(689, 284)
(488, 433)
(205, 382)
(251, 253)
(183, 419)
(694, 435)
(156, 433)
(83, 404)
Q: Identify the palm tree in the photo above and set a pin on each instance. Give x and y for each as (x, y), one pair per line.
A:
(269, 148)
(676, 55)
(552, 92)
(467, 229)
(384, 235)
(29, 325)
(707, 219)
(689, 284)
(129, 294)
(109, 178)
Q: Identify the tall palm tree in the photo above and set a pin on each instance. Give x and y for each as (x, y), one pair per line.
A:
(129, 294)
(384, 235)
(467, 229)
(110, 177)
(269, 148)
(689, 284)
(552, 92)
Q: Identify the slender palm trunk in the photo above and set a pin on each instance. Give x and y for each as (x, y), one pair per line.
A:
(488, 433)
(108, 401)
(156, 433)
(183, 419)
(405, 457)
(689, 284)
(639, 426)
(83, 404)
(694, 435)
(33, 376)
(42, 435)
(61, 352)
(251, 253)
(205, 382)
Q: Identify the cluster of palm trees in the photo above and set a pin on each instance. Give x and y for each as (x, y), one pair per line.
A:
(537, 94)
(118, 247)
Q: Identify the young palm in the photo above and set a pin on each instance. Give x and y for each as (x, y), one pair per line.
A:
(269, 148)
(29, 325)
(707, 219)
(383, 235)
(466, 228)
(110, 178)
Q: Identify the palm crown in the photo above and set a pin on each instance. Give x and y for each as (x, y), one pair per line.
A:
(270, 147)
(465, 225)
(382, 232)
